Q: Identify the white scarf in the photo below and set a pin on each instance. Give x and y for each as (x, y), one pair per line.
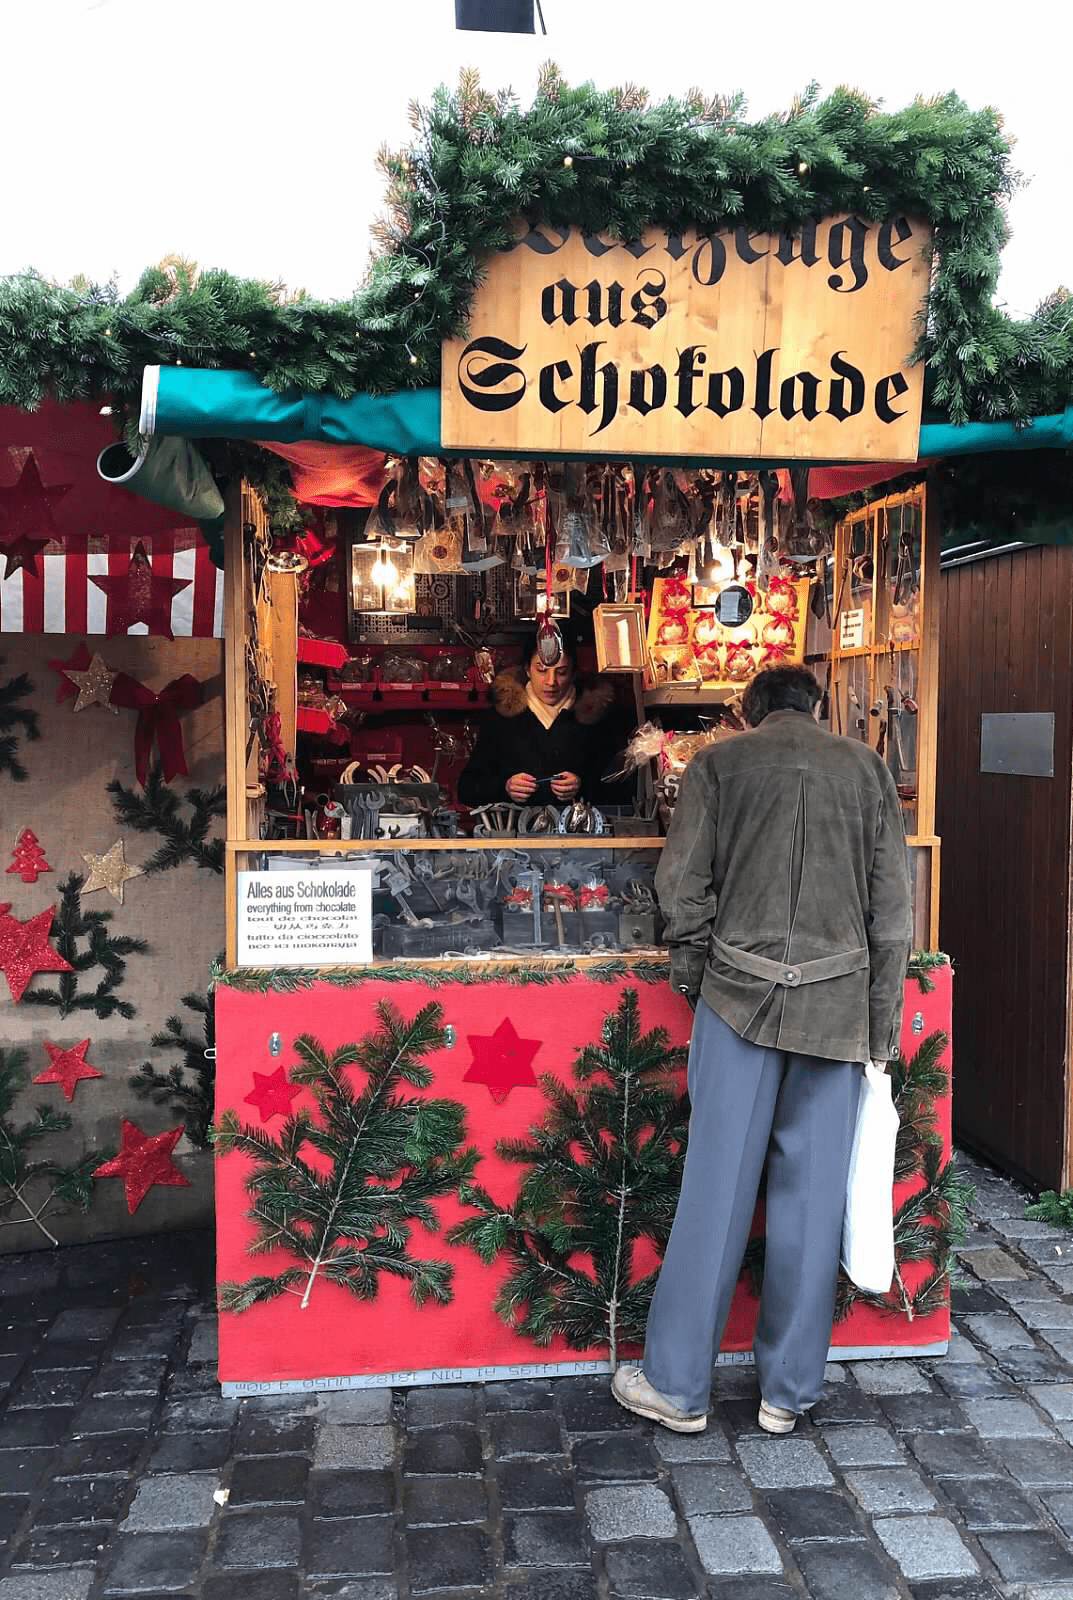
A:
(544, 713)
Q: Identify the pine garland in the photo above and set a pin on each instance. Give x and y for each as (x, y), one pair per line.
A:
(156, 810)
(604, 1170)
(189, 1097)
(388, 1155)
(55, 1189)
(476, 160)
(289, 980)
(15, 716)
(72, 924)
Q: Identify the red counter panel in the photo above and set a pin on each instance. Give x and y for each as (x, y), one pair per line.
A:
(507, 1032)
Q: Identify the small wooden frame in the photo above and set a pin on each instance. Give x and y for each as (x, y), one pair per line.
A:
(621, 640)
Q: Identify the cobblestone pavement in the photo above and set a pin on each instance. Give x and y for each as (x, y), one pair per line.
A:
(124, 1472)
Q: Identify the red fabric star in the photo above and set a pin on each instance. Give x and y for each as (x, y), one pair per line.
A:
(502, 1061)
(22, 552)
(143, 1160)
(272, 1094)
(138, 595)
(25, 950)
(26, 507)
(81, 659)
(68, 1068)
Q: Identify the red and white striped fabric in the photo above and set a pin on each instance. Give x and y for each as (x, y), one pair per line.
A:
(60, 598)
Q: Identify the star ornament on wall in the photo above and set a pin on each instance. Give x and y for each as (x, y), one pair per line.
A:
(25, 950)
(26, 505)
(144, 1160)
(272, 1094)
(109, 871)
(502, 1061)
(94, 685)
(67, 1067)
(140, 595)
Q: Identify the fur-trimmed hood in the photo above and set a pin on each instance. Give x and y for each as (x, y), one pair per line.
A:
(508, 696)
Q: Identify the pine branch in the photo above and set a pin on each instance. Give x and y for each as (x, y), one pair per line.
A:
(189, 1097)
(1053, 1208)
(72, 924)
(157, 811)
(35, 1190)
(14, 716)
(604, 1168)
(349, 1216)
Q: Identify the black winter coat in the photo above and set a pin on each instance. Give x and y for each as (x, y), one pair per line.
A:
(588, 739)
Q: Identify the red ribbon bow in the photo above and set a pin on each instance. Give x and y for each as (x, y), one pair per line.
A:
(158, 719)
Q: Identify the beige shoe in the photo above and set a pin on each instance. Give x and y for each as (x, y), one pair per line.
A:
(775, 1419)
(632, 1389)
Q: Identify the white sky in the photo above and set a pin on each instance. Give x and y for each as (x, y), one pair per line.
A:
(242, 133)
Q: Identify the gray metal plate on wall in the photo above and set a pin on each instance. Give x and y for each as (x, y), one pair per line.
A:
(1017, 743)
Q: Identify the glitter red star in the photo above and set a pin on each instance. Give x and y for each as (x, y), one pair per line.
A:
(272, 1094)
(26, 506)
(143, 1161)
(25, 950)
(502, 1060)
(139, 595)
(67, 1067)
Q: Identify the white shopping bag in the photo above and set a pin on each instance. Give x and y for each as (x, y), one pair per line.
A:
(868, 1225)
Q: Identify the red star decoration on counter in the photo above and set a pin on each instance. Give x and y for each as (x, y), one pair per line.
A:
(67, 1067)
(25, 950)
(140, 596)
(68, 689)
(26, 506)
(143, 1161)
(502, 1061)
(272, 1094)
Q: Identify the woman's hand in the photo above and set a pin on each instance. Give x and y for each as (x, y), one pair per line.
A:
(565, 785)
(520, 786)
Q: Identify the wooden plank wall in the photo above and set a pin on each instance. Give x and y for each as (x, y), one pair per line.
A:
(1007, 645)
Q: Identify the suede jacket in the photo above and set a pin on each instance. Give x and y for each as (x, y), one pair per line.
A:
(784, 885)
(589, 738)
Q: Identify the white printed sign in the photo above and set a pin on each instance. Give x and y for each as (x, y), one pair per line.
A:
(316, 917)
(851, 630)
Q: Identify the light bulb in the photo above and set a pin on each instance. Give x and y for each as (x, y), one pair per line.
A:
(384, 572)
(722, 566)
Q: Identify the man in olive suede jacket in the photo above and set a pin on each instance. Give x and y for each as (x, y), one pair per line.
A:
(785, 890)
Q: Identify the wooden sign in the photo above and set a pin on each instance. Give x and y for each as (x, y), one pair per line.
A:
(311, 917)
(731, 345)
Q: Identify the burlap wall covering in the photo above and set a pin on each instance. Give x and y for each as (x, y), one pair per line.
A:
(178, 912)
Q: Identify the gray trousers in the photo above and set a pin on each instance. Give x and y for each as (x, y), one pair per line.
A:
(750, 1105)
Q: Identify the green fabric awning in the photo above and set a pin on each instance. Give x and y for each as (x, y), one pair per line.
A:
(199, 403)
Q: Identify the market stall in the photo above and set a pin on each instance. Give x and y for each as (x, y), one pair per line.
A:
(448, 1171)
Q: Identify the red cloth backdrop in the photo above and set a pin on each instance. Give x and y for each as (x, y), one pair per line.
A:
(97, 527)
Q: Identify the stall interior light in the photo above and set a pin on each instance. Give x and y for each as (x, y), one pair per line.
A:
(722, 567)
(384, 572)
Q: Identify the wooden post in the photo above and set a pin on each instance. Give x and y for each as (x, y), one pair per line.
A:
(928, 695)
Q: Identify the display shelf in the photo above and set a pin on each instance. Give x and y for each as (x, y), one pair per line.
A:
(685, 694)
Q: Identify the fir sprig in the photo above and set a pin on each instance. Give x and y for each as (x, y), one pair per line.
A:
(33, 1190)
(383, 1158)
(1053, 1208)
(14, 716)
(604, 1169)
(102, 949)
(186, 1088)
(157, 810)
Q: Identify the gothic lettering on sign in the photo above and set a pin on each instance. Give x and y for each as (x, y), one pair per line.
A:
(683, 342)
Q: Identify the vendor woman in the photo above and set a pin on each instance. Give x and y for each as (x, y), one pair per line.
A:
(550, 739)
